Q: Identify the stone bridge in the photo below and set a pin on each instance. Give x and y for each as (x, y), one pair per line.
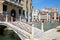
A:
(23, 30)
(18, 30)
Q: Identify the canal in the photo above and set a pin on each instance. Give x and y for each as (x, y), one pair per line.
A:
(7, 34)
(46, 26)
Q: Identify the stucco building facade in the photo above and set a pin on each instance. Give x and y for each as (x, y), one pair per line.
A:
(53, 12)
(35, 15)
(46, 15)
(15, 10)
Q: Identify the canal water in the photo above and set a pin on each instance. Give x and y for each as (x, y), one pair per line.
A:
(46, 26)
(8, 34)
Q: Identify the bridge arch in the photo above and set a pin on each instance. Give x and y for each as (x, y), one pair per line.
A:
(4, 31)
(24, 35)
(13, 30)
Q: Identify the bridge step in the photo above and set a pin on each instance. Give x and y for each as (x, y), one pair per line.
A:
(35, 31)
(23, 26)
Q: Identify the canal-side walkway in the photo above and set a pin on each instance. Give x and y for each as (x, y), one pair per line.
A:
(51, 34)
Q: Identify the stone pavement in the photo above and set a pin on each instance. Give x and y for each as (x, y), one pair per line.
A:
(51, 35)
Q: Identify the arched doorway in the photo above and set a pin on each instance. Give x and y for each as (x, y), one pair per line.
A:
(13, 15)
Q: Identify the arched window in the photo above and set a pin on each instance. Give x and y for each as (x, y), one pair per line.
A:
(23, 12)
(16, 0)
(13, 13)
(19, 1)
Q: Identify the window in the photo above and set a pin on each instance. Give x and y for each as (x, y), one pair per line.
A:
(43, 21)
(34, 18)
(16, 0)
(13, 13)
(52, 17)
(19, 1)
(4, 7)
(23, 13)
(56, 17)
(19, 11)
(27, 1)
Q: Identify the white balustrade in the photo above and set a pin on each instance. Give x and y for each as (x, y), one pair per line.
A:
(15, 3)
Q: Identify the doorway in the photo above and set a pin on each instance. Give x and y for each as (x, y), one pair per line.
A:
(13, 15)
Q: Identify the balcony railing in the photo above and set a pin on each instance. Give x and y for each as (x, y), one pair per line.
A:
(15, 2)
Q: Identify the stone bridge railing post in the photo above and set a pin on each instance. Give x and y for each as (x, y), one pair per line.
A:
(31, 37)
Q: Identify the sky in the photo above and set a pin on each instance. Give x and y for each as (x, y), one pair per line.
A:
(40, 4)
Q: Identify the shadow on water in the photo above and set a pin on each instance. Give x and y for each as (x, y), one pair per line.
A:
(2, 29)
(7, 34)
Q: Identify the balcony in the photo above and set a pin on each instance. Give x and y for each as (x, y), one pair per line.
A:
(17, 3)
